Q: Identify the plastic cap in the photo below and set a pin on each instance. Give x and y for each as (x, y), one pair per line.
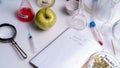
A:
(92, 24)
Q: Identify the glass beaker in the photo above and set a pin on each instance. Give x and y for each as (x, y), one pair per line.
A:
(25, 12)
(45, 3)
(71, 7)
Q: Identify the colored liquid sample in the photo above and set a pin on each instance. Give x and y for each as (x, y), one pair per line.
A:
(100, 42)
(25, 14)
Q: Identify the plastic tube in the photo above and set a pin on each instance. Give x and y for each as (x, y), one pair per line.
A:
(95, 32)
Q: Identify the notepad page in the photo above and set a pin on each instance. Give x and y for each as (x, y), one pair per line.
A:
(68, 51)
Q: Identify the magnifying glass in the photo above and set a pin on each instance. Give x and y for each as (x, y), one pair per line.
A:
(7, 34)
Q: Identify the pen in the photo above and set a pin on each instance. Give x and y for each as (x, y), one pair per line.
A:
(95, 32)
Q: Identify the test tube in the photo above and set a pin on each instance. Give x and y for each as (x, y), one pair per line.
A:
(94, 9)
(95, 32)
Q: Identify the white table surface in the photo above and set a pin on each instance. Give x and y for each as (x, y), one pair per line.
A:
(8, 56)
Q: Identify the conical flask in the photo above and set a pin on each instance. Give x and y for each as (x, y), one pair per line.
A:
(25, 12)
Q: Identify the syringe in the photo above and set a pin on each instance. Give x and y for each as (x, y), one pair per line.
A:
(30, 37)
(95, 32)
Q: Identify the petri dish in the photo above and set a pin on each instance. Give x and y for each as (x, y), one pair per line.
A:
(115, 30)
(78, 22)
(103, 60)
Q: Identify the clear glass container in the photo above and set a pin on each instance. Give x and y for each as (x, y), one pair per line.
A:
(104, 8)
(116, 30)
(25, 12)
(88, 4)
(45, 3)
(103, 59)
(116, 36)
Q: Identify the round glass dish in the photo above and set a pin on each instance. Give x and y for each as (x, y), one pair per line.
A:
(115, 30)
(103, 60)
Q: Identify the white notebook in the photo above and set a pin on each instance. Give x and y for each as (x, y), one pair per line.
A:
(69, 50)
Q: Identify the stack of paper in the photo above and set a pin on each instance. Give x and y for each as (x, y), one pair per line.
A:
(69, 50)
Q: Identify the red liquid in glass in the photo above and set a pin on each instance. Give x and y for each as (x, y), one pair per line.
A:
(25, 14)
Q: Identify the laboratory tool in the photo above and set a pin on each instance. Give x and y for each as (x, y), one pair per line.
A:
(116, 30)
(116, 35)
(7, 34)
(103, 59)
(71, 7)
(104, 8)
(106, 30)
(25, 12)
(113, 46)
(92, 24)
(45, 3)
(88, 5)
(114, 2)
(95, 32)
(79, 20)
(94, 9)
(30, 38)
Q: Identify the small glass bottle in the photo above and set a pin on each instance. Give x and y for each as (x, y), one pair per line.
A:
(45, 3)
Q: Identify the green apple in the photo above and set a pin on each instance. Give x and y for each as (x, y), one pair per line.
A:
(45, 18)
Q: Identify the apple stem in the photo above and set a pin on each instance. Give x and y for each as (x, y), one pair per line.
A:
(45, 10)
(45, 13)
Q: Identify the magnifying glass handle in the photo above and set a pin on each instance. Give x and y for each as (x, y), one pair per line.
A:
(24, 55)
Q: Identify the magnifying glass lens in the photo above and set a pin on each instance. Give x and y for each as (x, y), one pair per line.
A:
(6, 32)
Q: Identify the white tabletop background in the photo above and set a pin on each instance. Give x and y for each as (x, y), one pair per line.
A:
(8, 56)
